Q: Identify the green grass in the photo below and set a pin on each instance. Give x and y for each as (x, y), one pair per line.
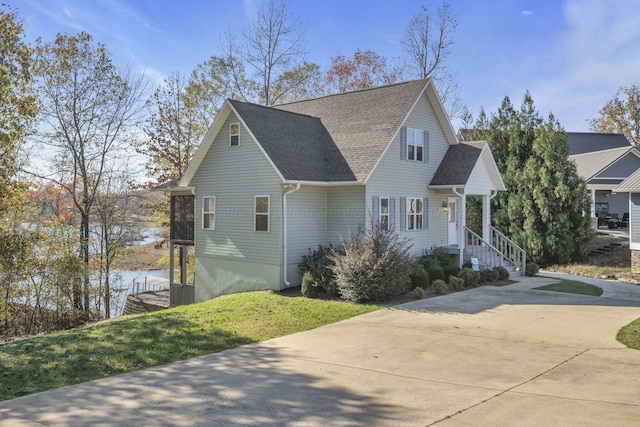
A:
(573, 287)
(135, 342)
(630, 335)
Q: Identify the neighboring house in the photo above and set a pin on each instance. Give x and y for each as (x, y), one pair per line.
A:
(604, 160)
(270, 183)
(631, 186)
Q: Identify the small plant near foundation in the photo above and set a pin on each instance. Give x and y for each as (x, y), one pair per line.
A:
(503, 274)
(470, 276)
(440, 287)
(457, 283)
(532, 269)
(418, 293)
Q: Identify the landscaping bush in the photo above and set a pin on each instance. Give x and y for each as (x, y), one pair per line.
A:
(457, 283)
(418, 292)
(319, 264)
(440, 286)
(419, 277)
(532, 269)
(470, 276)
(450, 270)
(375, 266)
(436, 272)
(436, 255)
(308, 287)
(503, 274)
(490, 275)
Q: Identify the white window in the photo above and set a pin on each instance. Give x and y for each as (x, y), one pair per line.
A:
(209, 213)
(234, 134)
(261, 213)
(415, 144)
(414, 213)
(383, 216)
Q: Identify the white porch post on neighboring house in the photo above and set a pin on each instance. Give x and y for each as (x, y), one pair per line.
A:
(486, 218)
(593, 208)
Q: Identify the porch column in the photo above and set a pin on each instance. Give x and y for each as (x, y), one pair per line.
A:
(463, 221)
(486, 218)
(593, 208)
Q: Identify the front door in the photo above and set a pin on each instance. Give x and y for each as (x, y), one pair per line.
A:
(453, 220)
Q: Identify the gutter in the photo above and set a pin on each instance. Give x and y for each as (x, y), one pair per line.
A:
(285, 231)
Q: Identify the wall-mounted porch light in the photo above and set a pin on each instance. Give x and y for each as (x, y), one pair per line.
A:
(445, 206)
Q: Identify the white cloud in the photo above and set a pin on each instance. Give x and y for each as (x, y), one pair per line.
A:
(589, 61)
(526, 13)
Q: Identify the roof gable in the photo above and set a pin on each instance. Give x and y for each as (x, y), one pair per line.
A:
(336, 138)
(589, 164)
(629, 185)
(363, 123)
(462, 161)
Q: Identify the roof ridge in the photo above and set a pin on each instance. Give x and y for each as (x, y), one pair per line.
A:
(592, 153)
(273, 108)
(353, 91)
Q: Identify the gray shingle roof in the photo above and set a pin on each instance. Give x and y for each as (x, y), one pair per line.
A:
(457, 164)
(587, 142)
(361, 123)
(299, 145)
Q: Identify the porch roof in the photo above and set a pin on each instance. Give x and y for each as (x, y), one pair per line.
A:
(629, 185)
(464, 160)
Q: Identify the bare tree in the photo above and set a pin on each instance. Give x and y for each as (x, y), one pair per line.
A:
(116, 211)
(89, 110)
(428, 41)
(274, 46)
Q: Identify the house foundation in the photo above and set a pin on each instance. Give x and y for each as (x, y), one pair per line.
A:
(635, 261)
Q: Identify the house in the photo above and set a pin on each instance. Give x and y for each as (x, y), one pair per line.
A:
(630, 187)
(269, 183)
(604, 160)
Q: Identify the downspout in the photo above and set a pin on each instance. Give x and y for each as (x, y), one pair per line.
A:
(285, 231)
(462, 210)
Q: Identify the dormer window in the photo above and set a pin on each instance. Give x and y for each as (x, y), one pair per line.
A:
(234, 134)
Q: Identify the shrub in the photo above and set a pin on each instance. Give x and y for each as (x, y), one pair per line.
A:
(436, 272)
(532, 269)
(503, 274)
(490, 275)
(470, 276)
(450, 270)
(375, 266)
(419, 277)
(418, 292)
(319, 264)
(457, 283)
(440, 286)
(308, 287)
(436, 255)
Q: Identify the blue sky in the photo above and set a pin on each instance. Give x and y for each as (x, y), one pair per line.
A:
(572, 55)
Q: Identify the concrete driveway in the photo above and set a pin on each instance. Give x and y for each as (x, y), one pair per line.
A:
(489, 356)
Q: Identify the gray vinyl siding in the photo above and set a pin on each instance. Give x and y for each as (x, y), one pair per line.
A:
(634, 218)
(234, 175)
(307, 225)
(345, 211)
(621, 168)
(394, 177)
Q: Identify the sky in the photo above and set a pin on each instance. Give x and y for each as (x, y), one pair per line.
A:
(571, 55)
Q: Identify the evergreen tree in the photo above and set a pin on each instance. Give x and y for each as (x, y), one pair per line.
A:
(545, 205)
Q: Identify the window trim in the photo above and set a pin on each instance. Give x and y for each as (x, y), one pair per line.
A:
(212, 224)
(256, 213)
(411, 219)
(231, 134)
(381, 215)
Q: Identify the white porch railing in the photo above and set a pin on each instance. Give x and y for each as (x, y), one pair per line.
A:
(497, 252)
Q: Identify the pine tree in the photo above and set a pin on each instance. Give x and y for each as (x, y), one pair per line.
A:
(544, 207)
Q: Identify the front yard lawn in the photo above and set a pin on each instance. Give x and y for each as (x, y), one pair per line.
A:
(131, 343)
(573, 287)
